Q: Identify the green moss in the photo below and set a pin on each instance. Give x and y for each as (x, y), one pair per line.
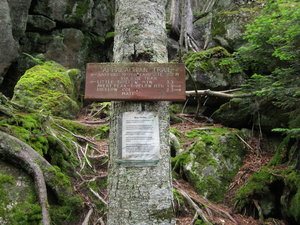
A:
(48, 88)
(257, 185)
(67, 211)
(200, 59)
(110, 35)
(175, 131)
(18, 208)
(212, 161)
(163, 214)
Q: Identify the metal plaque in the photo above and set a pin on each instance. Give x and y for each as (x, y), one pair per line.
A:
(139, 137)
(135, 81)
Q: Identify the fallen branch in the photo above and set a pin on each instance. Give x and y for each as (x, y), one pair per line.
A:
(194, 205)
(220, 94)
(75, 135)
(87, 218)
(98, 196)
(217, 210)
(242, 140)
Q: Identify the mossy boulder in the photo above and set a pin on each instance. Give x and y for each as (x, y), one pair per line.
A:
(228, 26)
(276, 187)
(49, 88)
(212, 161)
(249, 112)
(208, 73)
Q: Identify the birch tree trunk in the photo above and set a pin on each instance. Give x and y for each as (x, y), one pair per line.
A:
(140, 194)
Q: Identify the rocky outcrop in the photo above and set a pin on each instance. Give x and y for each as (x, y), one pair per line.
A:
(8, 45)
(69, 32)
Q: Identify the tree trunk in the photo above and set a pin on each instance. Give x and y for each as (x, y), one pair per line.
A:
(140, 193)
(175, 15)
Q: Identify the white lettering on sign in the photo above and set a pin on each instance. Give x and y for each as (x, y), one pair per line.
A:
(140, 136)
(142, 81)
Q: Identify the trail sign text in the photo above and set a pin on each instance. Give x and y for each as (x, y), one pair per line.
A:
(135, 81)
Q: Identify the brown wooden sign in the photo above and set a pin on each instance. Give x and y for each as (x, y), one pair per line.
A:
(135, 81)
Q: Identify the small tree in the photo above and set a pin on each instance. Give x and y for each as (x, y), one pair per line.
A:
(272, 56)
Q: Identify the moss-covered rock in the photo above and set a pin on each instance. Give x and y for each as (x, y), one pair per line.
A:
(276, 187)
(249, 112)
(212, 161)
(207, 71)
(49, 88)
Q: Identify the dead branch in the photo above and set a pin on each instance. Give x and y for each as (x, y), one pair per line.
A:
(75, 135)
(220, 94)
(217, 210)
(244, 142)
(98, 196)
(102, 122)
(87, 218)
(194, 205)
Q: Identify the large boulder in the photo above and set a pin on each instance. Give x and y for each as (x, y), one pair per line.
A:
(208, 73)
(212, 161)
(224, 23)
(251, 112)
(49, 88)
(66, 47)
(73, 13)
(19, 15)
(8, 45)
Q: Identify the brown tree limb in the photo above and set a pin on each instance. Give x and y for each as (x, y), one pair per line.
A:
(220, 94)
(194, 205)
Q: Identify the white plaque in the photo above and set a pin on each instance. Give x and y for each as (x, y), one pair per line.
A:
(140, 137)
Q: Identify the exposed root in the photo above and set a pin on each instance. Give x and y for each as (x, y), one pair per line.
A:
(18, 152)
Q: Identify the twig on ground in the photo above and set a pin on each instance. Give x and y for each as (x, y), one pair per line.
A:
(98, 196)
(87, 218)
(244, 142)
(194, 205)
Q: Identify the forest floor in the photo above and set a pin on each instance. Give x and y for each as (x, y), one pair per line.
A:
(222, 213)
(216, 213)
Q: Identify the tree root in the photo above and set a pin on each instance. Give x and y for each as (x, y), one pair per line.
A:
(16, 151)
(19, 153)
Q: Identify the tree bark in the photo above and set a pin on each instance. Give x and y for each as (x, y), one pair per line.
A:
(175, 15)
(140, 195)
